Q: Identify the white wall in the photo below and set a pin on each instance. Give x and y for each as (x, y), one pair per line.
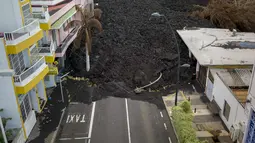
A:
(222, 93)
(8, 103)
(3, 58)
(10, 16)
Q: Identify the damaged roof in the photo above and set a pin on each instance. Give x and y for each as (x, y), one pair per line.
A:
(211, 46)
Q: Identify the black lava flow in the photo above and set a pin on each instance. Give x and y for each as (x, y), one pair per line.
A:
(135, 47)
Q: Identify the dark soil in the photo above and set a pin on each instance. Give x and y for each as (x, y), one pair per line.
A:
(135, 47)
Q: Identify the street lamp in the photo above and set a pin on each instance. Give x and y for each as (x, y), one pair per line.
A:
(157, 14)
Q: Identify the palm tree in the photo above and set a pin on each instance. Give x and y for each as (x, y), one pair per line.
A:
(86, 25)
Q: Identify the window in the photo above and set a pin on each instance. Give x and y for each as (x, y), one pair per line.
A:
(25, 105)
(17, 62)
(27, 14)
(226, 110)
(34, 52)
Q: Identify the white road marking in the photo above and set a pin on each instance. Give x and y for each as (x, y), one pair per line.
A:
(169, 140)
(161, 114)
(129, 137)
(165, 126)
(92, 119)
(65, 139)
(194, 88)
(81, 138)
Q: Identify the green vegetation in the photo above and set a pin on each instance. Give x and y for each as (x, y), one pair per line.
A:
(182, 120)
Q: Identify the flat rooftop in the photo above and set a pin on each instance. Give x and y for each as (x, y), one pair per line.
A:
(211, 46)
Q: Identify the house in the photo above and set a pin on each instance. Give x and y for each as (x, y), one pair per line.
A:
(224, 70)
(31, 39)
(212, 48)
(53, 16)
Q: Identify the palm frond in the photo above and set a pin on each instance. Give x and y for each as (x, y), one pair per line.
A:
(97, 13)
(72, 24)
(94, 23)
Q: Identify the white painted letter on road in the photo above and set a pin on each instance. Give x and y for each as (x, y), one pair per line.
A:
(75, 119)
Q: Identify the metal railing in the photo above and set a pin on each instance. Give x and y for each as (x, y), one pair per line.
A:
(26, 30)
(28, 72)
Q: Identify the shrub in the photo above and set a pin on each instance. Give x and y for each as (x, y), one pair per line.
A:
(182, 120)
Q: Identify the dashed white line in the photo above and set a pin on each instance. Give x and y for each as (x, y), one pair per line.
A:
(65, 139)
(128, 126)
(161, 114)
(169, 140)
(81, 138)
(194, 88)
(165, 126)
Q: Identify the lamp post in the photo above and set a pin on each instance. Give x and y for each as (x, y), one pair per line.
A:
(157, 14)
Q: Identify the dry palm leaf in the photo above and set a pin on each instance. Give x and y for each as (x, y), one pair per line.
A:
(97, 13)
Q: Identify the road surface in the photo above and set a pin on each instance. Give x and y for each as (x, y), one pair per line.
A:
(116, 120)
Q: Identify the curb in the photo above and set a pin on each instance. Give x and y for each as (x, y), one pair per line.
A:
(55, 133)
(170, 118)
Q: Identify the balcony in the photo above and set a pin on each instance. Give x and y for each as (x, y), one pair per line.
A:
(53, 70)
(47, 49)
(45, 2)
(22, 38)
(42, 14)
(31, 77)
(65, 44)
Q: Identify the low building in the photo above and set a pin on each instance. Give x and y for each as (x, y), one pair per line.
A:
(212, 48)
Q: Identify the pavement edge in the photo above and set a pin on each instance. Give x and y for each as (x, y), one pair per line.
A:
(169, 115)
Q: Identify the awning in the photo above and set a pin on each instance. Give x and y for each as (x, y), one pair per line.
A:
(58, 24)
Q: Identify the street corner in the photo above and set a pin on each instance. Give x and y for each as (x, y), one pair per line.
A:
(76, 123)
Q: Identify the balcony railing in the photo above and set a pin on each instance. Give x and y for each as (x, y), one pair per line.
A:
(45, 2)
(47, 48)
(30, 71)
(41, 13)
(21, 33)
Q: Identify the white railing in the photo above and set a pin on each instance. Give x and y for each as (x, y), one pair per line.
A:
(48, 47)
(26, 30)
(45, 2)
(41, 13)
(28, 72)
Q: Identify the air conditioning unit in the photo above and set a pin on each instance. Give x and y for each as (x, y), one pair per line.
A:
(234, 131)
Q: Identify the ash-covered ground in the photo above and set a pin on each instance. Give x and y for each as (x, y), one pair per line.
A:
(135, 47)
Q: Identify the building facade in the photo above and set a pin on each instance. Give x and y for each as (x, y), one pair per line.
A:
(32, 38)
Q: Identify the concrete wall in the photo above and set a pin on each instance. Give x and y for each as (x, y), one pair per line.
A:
(222, 93)
(10, 15)
(3, 59)
(8, 102)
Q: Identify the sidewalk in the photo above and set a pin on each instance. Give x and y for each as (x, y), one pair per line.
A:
(204, 120)
(48, 120)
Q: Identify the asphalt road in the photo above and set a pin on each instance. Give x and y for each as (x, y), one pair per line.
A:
(119, 120)
(116, 120)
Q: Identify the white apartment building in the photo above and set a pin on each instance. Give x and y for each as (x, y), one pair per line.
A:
(22, 93)
(32, 38)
